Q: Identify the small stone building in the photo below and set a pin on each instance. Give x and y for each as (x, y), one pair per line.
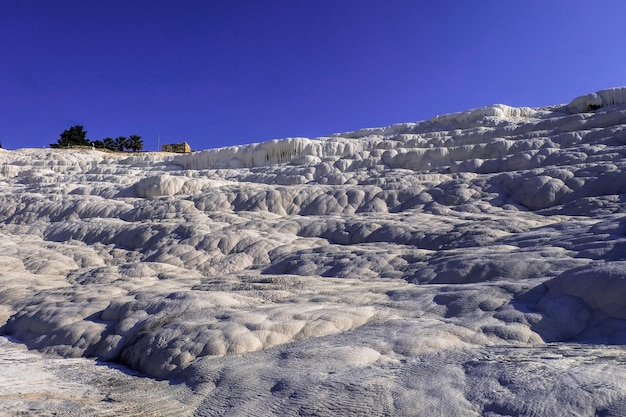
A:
(176, 147)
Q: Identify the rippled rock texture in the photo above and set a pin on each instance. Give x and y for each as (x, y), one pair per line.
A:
(471, 264)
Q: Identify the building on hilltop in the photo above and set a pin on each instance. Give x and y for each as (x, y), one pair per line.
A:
(176, 147)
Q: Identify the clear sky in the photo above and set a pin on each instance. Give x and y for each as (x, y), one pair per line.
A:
(225, 72)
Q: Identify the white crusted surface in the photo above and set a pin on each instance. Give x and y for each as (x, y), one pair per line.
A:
(388, 271)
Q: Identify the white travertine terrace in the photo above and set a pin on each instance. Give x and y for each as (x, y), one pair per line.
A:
(471, 264)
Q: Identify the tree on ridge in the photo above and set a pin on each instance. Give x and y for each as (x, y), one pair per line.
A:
(74, 136)
(77, 136)
(109, 144)
(121, 143)
(135, 143)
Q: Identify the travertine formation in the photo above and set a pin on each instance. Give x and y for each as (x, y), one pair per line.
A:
(471, 264)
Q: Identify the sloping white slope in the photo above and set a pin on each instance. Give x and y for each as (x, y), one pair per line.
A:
(471, 264)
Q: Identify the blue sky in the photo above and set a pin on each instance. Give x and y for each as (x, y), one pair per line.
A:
(225, 72)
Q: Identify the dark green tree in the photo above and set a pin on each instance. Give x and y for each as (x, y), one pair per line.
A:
(121, 143)
(97, 144)
(74, 136)
(109, 144)
(135, 143)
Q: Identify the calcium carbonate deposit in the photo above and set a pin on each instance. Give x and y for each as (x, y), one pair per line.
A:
(473, 264)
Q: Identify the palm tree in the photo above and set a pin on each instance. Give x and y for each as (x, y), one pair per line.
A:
(135, 143)
(109, 143)
(121, 143)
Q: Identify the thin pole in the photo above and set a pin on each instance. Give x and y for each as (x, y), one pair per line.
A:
(159, 142)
